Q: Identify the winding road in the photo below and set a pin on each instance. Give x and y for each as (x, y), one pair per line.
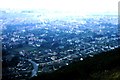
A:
(35, 68)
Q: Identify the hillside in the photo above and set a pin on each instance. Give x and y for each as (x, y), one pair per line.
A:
(103, 66)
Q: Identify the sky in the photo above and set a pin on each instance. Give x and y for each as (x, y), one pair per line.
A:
(84, 6)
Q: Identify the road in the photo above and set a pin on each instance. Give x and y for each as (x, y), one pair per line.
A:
(35, 68)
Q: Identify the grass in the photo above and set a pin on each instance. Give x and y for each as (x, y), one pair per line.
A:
(26, 48)
(113, 74)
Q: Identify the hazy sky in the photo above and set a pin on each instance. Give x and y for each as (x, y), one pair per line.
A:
(63, 5)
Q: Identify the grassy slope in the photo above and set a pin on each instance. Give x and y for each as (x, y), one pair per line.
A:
(104, 66)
